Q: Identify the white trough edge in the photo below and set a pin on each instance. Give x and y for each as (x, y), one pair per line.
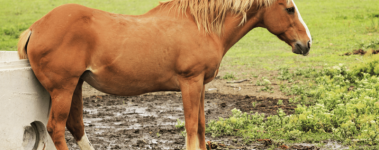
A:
(24, 106)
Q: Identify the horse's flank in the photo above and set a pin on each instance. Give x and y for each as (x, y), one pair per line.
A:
(210, 14)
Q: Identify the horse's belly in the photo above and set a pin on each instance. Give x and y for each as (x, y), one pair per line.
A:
(127, 86)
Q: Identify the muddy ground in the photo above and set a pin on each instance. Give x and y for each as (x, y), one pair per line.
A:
(148, 121)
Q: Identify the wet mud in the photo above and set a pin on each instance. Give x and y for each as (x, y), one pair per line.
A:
(148, 121)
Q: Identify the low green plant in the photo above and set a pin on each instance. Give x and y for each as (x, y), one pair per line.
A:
(369, 66)
(254, 75)
(183, 133)
(338, 111)
(374, 27)
(294, 134)
(284, 74)
(344, 113)
(238, 120)
(266, 83)
(254, 104)
(180, 124)
(289, 76)
(229, 76)
(280, 102)
(291, 100)
(368, 44)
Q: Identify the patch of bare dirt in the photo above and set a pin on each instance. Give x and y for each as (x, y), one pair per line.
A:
(360, 52)
(248, 87)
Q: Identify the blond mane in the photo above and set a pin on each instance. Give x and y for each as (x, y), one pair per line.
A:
(210, 14)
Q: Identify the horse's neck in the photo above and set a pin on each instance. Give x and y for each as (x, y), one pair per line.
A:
(233, 32)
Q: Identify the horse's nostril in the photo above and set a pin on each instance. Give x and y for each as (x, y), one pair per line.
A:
(299, 48)
(298, 45)
(309, 44)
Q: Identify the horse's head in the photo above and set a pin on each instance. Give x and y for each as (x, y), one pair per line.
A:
(283, 19)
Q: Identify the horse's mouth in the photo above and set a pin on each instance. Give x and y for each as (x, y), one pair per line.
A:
(299, 49)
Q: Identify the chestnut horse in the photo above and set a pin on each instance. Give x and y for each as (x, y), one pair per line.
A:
(177, 46)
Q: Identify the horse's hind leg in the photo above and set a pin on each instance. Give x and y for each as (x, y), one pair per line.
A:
(61, 97)
(75, 119)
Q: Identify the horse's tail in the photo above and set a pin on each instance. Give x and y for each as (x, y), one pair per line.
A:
(22, 43)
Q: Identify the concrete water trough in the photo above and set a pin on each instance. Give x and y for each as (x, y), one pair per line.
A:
(24, 106)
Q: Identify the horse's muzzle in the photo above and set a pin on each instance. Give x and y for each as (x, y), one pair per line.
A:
(302, 49)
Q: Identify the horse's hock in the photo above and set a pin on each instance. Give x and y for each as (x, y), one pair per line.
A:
(24, 106)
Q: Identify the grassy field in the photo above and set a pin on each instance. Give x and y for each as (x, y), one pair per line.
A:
(325, 107)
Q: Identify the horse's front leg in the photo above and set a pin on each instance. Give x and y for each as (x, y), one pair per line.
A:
(201, 123)
(191, 95)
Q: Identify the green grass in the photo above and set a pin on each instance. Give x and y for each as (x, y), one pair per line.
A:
(345, 24)
(18, 15)
(336, 26)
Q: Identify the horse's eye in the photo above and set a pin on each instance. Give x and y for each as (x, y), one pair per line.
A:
(291, 10)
